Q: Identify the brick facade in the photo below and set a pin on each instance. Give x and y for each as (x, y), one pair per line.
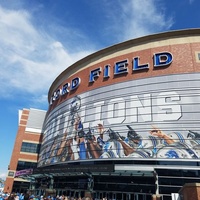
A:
(17, 155)
(190, 191)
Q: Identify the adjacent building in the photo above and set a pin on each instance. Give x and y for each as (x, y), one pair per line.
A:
(26, 149)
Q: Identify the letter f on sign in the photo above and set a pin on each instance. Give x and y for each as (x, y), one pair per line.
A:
(94, 73)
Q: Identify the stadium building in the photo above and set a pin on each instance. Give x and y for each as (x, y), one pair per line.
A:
(124, 122)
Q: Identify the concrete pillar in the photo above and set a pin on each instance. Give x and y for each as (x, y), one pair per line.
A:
(32, 185)
(156, 197)
(156, 182)
(51, 183)
(88, 194)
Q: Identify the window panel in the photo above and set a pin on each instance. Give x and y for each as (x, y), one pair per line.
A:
(30, 147)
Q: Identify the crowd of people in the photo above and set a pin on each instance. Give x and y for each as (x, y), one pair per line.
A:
(27, 196)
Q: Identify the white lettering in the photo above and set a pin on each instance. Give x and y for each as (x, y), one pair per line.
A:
(169, 107)
(116, 111)
(97, 113)
(141, 109)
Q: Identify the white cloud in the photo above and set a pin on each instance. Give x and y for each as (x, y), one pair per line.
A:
(30, 59)
(3, 174)
(39, 101)
(137, 18)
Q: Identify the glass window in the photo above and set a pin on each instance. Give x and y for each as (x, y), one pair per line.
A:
(25, 165)
(30, 147)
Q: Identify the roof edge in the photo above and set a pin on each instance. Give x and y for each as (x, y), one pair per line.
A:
(139, 40)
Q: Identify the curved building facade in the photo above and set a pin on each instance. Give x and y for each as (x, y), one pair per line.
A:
(124, 122)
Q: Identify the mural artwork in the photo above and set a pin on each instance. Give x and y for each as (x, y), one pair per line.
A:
(80, 141)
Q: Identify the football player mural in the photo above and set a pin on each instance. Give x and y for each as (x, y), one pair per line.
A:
(99, 142)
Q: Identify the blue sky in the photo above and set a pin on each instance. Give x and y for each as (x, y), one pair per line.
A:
(41, 38)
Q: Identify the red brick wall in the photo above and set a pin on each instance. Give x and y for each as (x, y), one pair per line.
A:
(190, 191)
(184, 61)
(20, 136)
